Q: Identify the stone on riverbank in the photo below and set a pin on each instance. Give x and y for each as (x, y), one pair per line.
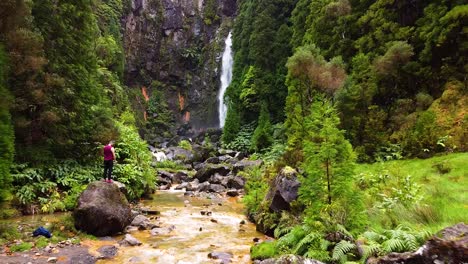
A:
(129, 240)
(102, 210)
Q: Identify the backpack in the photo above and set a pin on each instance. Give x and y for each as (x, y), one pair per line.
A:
(41, 231)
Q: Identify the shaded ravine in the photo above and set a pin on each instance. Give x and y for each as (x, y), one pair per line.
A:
(194, 236)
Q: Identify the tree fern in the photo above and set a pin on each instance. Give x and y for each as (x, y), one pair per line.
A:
(342, 248)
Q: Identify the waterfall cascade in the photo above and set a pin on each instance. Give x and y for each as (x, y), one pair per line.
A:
(226, 76)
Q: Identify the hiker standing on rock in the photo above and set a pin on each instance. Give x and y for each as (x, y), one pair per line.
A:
(109, 157)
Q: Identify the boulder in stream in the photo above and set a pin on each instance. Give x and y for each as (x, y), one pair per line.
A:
(129, 240)
(102, 210)
(207, 170)
(224, 257)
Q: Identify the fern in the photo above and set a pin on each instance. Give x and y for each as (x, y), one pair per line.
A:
(394, 245)
(373, 249)
(311, 238)
(343, 230)
(373, 236)
(342, 248)
(282, 230)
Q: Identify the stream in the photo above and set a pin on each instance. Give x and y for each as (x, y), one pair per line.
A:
(194, 236)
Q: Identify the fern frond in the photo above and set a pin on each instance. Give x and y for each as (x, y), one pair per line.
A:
(302, 246)
(343, 230)
(373, 236)
(282, 230)
(422, 236)
(411, 242)
(393, 245)
(342, 248)
(372, 249)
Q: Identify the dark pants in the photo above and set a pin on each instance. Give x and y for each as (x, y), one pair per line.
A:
(108, 164)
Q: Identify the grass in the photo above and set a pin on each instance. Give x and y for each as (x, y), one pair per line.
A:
(443, 189)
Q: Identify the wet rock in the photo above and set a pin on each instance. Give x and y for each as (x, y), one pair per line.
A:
(284, 191)
(184, 185)
(52, 260)
(131, 229)
(206, 171)
(180, 176)
(217, 179)
(450, 246)
(107, 252)
(213, 160)
(161, 231)
(217, 188)
(102, 210)
(236, 182)
(129, 240)
(203, 187)
(150, 211)
(225, 257)
(142, 222)
(208, 213)
(165, 187)
(213, 220)
(232, 193)
(83, 258)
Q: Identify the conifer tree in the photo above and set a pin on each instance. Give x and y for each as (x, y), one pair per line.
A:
(327, 187)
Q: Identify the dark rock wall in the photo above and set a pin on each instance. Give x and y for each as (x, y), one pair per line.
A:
(176, 46)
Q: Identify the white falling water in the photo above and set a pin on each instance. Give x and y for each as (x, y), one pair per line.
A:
(226, 76)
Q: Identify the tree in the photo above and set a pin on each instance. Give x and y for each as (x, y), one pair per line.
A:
(327, 188)
(6, 130)
(262, 137)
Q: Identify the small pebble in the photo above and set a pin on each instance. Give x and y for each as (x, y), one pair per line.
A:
(52, 260)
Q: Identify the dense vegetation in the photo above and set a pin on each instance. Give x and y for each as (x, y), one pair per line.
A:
(61, 70)
(397, 77)
(319, 85)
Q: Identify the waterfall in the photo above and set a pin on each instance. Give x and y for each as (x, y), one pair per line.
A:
(226, 76)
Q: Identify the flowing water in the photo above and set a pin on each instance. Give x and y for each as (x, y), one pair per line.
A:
(226, 76)
(194, 236)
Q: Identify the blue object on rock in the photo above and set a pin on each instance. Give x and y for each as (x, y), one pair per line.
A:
(41, 231)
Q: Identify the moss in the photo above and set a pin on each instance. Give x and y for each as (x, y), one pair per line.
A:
(25, 246)
(263, 250)
(42, 242)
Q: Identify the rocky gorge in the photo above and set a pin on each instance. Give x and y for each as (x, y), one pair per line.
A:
(175, 47)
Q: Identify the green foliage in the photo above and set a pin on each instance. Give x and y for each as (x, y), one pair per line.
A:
(256, 187)
(185, 144)
(169, 164)
(159, 118)
(133, 166)
(342, 249)
(262, 136)
(24, 246)
(327, 188)
(263, 250)
(242, 140)
(41, 242)
(6, 131)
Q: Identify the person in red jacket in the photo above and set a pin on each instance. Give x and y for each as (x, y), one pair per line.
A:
(109, 157)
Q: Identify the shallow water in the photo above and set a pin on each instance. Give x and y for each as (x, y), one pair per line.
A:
(195, 235)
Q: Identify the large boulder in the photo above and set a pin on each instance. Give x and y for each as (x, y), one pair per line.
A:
(449, 247)
(102, 210)
(284, 190)
(207, 170)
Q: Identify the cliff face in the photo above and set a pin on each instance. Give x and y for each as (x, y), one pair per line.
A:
(175, 46)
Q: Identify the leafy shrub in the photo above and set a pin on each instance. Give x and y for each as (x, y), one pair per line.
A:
(185, 144)
(242, 141)
(263, 250)
(134, 162)
(255, 189)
